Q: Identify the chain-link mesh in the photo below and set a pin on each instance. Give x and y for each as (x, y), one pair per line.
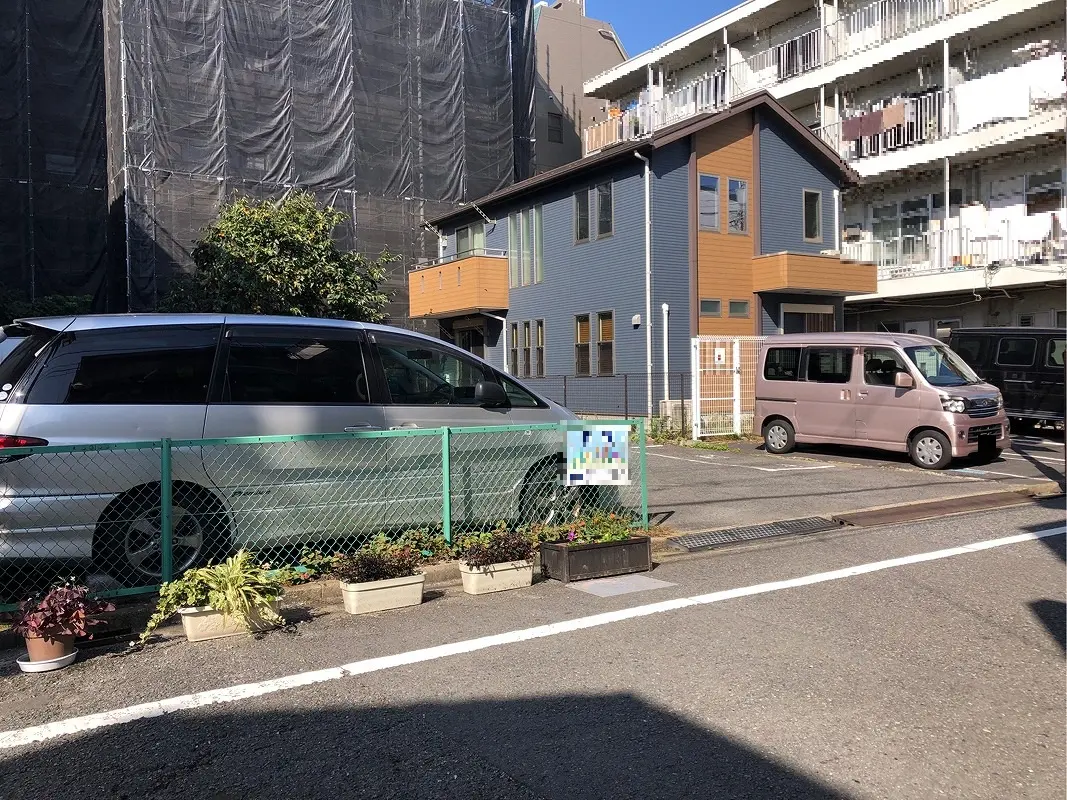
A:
(127, 517)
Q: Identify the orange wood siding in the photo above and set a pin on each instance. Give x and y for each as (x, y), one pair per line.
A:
(464, 286)
(825, 274)
(724, 260)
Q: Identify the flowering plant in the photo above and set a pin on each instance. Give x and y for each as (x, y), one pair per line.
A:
(63, 610)
(597, 528)
(498, 546)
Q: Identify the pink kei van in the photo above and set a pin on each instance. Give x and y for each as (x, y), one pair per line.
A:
(883, 390)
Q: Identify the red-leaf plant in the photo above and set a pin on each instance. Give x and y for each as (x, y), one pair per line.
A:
(64, 610)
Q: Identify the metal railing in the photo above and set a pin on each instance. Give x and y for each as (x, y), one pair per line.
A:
(448, 259)
(869, 26)
(126, 517)
(925, 119)
(957, 250)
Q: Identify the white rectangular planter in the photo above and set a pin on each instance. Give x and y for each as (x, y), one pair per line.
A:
(496, 577)
(365, 598)
(204, 623)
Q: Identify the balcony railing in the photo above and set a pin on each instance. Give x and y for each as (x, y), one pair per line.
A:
(866, 27)
(962, 249)
(921, 120)
(478, 251)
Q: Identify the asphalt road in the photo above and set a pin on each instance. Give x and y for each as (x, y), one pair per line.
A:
(692, 489)
(938, 678)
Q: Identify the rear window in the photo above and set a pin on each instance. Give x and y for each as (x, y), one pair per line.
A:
(18, 350)
(782, 364)
(128, 366)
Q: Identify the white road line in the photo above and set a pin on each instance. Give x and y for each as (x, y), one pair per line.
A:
(1035, 458)
(784, 469)
(677, 458)
(53, 730)
(990, 472)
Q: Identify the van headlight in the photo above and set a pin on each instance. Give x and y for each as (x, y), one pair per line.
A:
(957, 405)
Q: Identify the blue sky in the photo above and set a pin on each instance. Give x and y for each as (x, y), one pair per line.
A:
(642, 24)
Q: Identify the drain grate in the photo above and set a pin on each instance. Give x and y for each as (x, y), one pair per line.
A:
(790, 527)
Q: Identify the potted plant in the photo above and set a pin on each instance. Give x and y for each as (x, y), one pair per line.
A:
(50, 621)
(596, 546)
(495, 561)
(380, 576)
(226, 599)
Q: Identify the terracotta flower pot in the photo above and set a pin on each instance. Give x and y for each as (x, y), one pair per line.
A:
(47, 648)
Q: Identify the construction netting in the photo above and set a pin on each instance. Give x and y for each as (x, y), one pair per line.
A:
(390, 110)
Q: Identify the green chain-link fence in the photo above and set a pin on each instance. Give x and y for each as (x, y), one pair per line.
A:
(126, 517)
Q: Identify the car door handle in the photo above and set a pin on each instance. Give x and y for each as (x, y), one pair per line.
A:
(404, 427)
(357, 428)
(861, 395)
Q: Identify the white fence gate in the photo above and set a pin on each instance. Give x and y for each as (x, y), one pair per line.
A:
(724, 384)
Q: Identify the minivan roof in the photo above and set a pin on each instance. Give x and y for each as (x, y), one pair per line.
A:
(92, 322)
(855, 338)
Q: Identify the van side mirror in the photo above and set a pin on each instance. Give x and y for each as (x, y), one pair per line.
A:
(490, 395)
(902, 380)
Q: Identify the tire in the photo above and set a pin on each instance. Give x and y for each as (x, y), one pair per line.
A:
(930, 449)
(544, 500)
(778, 437)
(128, 535)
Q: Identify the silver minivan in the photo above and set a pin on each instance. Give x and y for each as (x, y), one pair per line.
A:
(888, 391)
(142, 378)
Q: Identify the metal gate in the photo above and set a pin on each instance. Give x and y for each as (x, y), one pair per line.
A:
(724, 385)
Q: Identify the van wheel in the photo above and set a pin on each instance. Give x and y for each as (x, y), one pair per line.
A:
(778, 437)
(130, 534)
(930, 450)
(544, 500)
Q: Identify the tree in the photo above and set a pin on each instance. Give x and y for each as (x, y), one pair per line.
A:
(278, 257)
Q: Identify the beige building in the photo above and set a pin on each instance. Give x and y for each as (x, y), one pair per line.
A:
(571, 48)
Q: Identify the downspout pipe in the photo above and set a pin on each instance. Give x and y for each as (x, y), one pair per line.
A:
(648, 283)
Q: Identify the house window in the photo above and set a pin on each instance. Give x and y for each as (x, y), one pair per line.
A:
(526, 349)
(581, 344)
(737, 216)
(581, 216)
(605, 323)
(513, 356)
(739, 308)
(605, 211)
(539, 348)
(1061, 319)
(812, 216)
(525, 237)
(710, 308)
(708, 202)
(555, 128)
(470, 239)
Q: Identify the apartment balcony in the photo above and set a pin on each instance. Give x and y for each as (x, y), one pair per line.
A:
(994, 111)
(812, 274)
(1026, 251)
(878, 32)
(466, 283)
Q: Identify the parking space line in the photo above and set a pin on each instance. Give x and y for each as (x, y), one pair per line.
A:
(785, 469)
(1034, 458)
(230, 694)
(990, 472)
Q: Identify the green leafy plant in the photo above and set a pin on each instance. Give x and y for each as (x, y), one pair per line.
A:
(597, 528)
(279, 257)
(311, 565)
(236, 587)
(430, 545)
(16, 305)
(65, 609)
(380, 559)
(498, 546)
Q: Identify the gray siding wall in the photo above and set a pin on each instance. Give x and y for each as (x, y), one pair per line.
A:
(607, 274)
(787, 168)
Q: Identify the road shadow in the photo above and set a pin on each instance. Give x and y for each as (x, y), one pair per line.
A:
(556, 747)
(1052, 614)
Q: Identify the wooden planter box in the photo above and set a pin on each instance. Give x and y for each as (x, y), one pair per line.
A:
(578, 562)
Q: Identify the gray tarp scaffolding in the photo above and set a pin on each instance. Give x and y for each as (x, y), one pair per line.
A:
(391, 110)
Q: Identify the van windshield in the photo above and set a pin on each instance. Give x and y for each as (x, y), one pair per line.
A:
(940, 366)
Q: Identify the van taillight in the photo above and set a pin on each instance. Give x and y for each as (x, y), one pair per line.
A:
(21, 441)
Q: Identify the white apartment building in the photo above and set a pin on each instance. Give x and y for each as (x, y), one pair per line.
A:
(925, 99)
